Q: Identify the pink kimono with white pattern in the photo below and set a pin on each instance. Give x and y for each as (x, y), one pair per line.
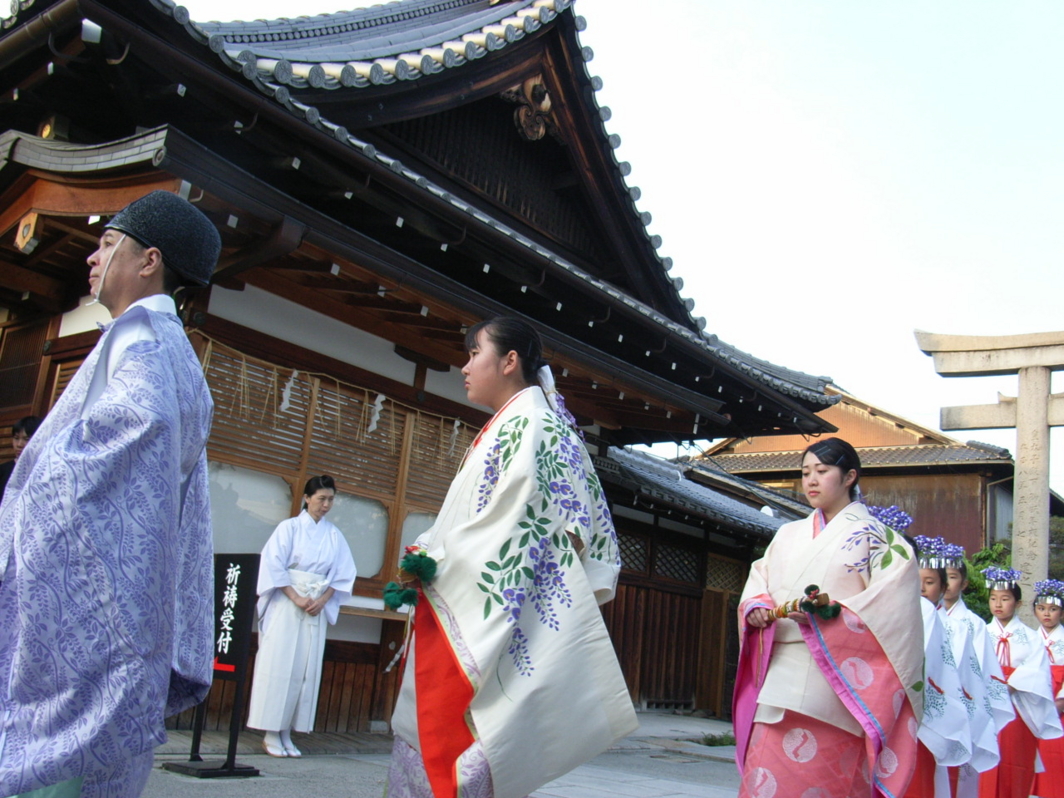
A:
(859, 675)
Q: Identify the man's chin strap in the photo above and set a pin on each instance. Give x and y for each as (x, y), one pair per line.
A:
(106, 266)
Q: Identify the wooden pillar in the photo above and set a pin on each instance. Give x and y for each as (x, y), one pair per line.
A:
(1030, 525)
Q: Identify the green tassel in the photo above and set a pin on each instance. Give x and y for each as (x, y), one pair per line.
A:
(419, 565)
(829, 611)
(395, 596)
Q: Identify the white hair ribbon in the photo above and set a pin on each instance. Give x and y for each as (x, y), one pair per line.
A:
(556, 401)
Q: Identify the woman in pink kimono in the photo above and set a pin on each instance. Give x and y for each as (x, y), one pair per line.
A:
(830, 707)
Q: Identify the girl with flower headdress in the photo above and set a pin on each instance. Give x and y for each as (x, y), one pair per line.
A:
(965, 625)
(945, 733)
(939, 560)
(1048, 607)
(1026, 669)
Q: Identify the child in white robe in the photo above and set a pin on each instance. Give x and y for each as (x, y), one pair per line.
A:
(945, 734)
(1026, 668)
(1048, 608)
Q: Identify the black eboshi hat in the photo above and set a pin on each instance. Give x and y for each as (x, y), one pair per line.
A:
(189, 242)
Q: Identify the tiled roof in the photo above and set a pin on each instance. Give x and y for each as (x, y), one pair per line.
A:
(710, 470)
(375, 46)
(405, 40)
(872, 457)
(659, 479)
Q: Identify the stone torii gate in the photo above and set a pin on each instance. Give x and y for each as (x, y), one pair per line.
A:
(1032, 412)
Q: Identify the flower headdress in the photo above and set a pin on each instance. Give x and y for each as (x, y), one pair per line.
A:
(937, 553)
(1049, 591)
(894, 517)
(1001, 578)
(954, 555)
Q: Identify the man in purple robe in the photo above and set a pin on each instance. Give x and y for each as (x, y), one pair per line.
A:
(105, 536)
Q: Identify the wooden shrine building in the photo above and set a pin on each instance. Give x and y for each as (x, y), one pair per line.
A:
(381, 179)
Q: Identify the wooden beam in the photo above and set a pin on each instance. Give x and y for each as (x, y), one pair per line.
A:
(336, 283)
(285, 239)
(53, 198)
(19, 279)
(41, 254)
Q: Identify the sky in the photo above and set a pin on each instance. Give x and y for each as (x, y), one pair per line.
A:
(829, 176)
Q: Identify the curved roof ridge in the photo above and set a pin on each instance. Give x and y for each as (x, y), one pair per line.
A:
(332, 53)
(270, 79)
(369, 16)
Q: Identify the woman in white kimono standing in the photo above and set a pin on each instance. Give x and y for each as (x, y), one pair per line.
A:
(1048, 608)
(305, 573)
(510, 677)
(1026, 668)
(830, 707)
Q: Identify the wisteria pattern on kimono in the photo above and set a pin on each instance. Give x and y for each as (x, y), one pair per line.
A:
(1031, 683)
(945, 728)
(861, 672)
(105, 539)
(519, 602)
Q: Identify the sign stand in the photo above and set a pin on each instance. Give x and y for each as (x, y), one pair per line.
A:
(235, 579)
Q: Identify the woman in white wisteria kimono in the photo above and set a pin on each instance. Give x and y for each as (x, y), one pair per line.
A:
(510, 677)
(1026, 668)
(830, 707)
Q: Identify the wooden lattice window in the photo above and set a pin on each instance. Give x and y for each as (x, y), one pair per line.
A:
(675, 562)
(20, 357)
(725, 574)
(634, 551)
(253, 426)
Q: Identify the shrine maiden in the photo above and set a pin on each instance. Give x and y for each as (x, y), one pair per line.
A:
(510, 677)
(945, 735)
(305, 573)
(1048, 603)
(1025, 666)
(830, 704)
(978, 681)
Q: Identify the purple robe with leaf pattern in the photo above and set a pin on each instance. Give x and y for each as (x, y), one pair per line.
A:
(106, 555)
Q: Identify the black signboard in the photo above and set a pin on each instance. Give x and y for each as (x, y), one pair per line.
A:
(235, 581)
